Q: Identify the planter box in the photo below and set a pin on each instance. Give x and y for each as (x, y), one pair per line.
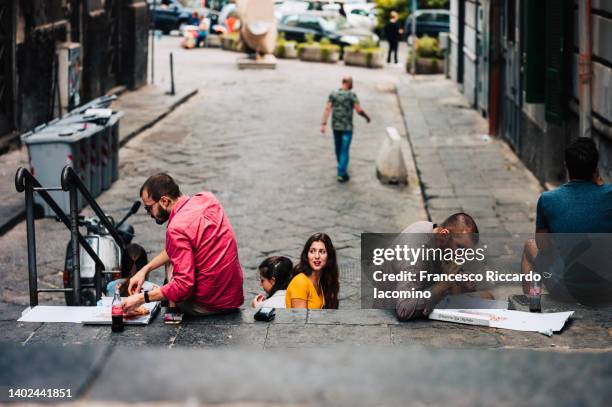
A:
(213, 41)
(427, 66)
(229, 43)
(314, 54)
(288, 51)
(357, 58)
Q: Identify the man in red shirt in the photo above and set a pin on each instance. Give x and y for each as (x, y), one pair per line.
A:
(201, 247)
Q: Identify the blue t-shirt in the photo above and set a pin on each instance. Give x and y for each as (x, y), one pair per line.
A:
(576, 207)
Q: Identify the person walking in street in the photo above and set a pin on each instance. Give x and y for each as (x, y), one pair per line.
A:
(342, 102)
(201, 247)
(393, 33)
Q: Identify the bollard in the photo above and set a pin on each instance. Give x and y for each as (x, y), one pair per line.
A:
(171, 74)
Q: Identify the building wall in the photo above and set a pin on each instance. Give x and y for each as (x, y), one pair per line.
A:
(539, 144)
(455, 49)
(602, 82)
(42, 24)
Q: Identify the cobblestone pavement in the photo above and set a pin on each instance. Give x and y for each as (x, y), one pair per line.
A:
(253, 139)
(462, 169)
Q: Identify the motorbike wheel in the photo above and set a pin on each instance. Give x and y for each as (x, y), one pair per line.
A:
(88, 296)
(68, 276)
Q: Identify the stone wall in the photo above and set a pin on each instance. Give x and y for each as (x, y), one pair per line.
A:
(42, 24)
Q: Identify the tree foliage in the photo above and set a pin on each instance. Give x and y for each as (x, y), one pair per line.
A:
(403, 7)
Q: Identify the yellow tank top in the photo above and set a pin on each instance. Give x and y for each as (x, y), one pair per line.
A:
(301, 288)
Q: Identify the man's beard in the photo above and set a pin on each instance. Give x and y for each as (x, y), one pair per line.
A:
(162, 217)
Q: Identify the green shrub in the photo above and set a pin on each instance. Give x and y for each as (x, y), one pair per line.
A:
(281, 44)
(233, 35)
(325, 41)
(385, 7)
(309, 37)
(367, 43)
(326, 48)
(427, 47)
(403, 8)
(366, 46)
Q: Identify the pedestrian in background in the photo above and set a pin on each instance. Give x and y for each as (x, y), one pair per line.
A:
(342, 102)
(393, 33)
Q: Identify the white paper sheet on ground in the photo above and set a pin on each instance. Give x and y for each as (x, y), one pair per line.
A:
(78, 315)
(544, 323)
(463, 301)
(55, 313)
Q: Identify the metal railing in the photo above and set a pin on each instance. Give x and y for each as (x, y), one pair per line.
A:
(70, 182)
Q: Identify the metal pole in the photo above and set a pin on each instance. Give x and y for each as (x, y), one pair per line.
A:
(31, 238)
(153, 42)
(414, 37)
(585, 67)
(171, 74)
(74, 241)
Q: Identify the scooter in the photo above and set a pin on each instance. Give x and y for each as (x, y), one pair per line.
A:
(107, 249)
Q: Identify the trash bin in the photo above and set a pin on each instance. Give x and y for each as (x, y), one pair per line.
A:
(50, 149)
(100, 146)
(95, 151)
(113, 123)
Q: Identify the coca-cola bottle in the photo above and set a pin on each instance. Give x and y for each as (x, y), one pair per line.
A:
(117, 312)
(535, 296)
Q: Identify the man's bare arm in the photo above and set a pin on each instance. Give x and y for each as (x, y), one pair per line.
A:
(138, 279)
(326, 113)
(134, 301)
(362, 112)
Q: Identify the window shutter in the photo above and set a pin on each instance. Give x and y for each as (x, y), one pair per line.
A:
(534, 57)
(557, 46)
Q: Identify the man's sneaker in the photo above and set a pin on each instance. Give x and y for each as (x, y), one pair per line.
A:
(343, 178)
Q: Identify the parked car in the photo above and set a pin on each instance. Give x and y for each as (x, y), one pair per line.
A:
(282, 8)
(323, 25)
(429, 22)
(358, 14)
(169, 15)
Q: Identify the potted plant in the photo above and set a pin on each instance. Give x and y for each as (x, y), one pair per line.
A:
(323, 51)
(285, 49)
(367, 53)
(429, 58)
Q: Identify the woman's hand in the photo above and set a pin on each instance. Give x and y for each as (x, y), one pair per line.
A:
(257, 300)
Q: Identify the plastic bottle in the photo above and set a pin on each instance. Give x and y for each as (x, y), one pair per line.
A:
(117, 313)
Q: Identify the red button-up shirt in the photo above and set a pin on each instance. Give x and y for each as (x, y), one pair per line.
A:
(202, 248)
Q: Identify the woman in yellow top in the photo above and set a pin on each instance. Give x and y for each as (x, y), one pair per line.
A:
(315, 278)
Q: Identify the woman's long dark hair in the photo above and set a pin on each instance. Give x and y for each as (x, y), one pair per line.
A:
(134, 258)
(329, 279)
(278, 267)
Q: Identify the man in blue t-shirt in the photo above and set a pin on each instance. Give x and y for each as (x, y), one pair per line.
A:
(583, 205)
